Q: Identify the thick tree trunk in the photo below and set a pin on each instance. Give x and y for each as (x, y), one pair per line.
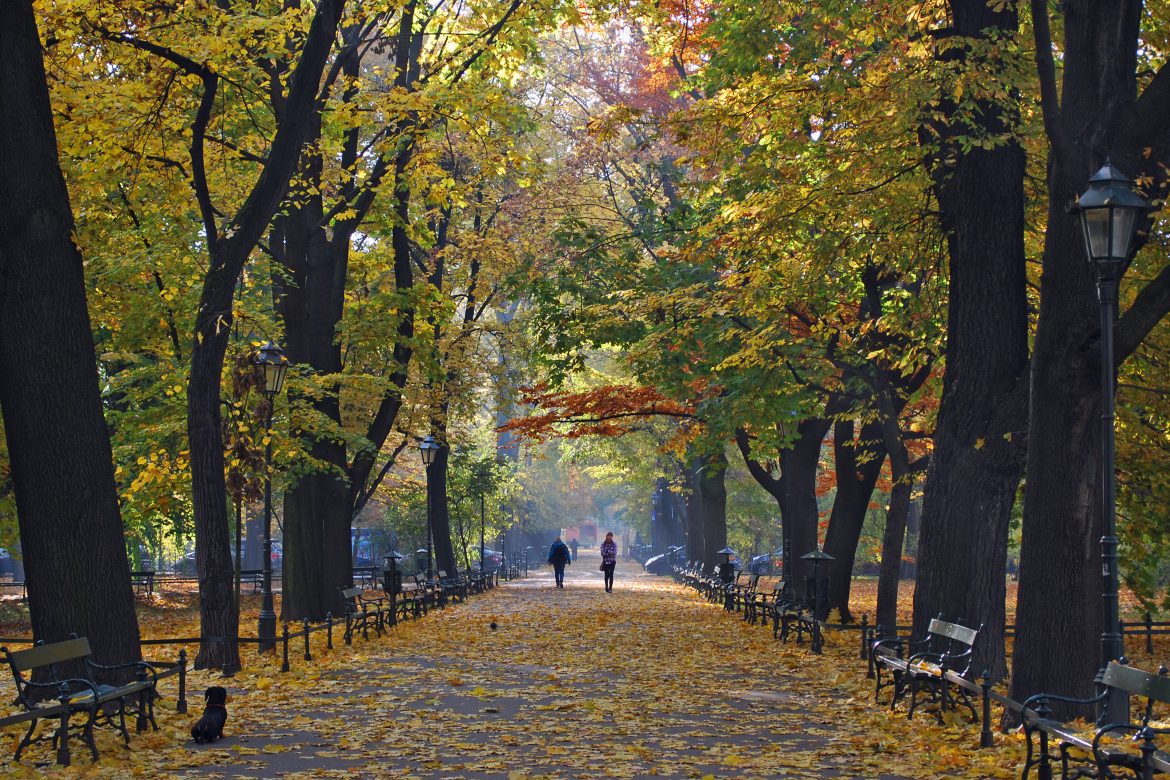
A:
(889, 574)
(62, 468)
(971, 485)
(858, 462)
(710, 489)
(696, 543)
(316, 509)
(796, 493)
(1059, 620)
(440, 512)
(228, 254)
(802, 514)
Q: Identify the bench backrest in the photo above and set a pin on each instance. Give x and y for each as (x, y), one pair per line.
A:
(953, 631)
(954, 643)
(48, 655)
(1137, 682)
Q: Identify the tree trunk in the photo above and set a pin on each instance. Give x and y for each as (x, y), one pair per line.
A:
(228, 254)
(59, 449)
(1059, 622)
(971, 485)
(801, 510)
(440, 513)
(889, 574)
(696, 543)
(710, 489)
(796, 493)
(858, 464)
(316, 509)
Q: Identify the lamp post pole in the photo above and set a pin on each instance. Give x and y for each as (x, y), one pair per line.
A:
(429, 448)
(1110, 213)
(482, 547)
(272, 362)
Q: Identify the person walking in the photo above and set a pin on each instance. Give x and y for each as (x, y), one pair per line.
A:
(609, 553)
(573, 547)
(559, 556)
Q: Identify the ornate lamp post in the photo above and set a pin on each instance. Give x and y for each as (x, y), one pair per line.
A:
(272, 362)
(1110, 212)
(429, 449)
(816, 556)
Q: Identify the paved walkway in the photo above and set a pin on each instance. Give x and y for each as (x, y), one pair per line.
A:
(574, 683)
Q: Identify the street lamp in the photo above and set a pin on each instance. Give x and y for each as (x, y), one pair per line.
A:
(1110, 212)
(816, 556)
(429, 449)
(270, 360)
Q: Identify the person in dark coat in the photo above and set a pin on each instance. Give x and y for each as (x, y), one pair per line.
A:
(573, 547)
(559, 556)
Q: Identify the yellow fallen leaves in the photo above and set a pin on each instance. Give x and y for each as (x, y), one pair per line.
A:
(646, 681)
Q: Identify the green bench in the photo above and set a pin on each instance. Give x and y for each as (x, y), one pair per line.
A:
(58, 695)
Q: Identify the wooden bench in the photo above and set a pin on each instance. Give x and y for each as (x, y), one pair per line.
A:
(739, 594)
(801, 614)
(57, 696)
(429, 594)
(366, 576)
(1105, 750)
(454, 588)
(922, 666)
(253, 577)
(763, 606)
(143, 581)
(361, 611)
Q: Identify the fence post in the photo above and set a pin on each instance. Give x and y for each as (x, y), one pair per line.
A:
(329, 630)
(284, 664)
(1149, 634)
(348, 628)
(864, 636)
(308, 655)
(181, 704)
(986, 740)
(878, 635)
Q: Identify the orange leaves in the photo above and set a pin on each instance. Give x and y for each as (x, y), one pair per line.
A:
(610, 410)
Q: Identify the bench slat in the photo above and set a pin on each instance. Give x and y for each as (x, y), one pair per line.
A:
(1137, 682)
(46, 655)
(953, 631)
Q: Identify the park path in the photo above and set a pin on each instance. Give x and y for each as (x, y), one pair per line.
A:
(576, 683)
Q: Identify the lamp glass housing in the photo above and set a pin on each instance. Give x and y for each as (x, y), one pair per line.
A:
(272, 361)
(429, 448)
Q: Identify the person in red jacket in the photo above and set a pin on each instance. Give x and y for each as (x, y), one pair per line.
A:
(609, 552)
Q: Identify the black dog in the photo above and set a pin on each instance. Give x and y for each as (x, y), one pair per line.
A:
(210, 727)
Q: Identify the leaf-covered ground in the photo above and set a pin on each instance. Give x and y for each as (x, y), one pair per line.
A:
(576, 683)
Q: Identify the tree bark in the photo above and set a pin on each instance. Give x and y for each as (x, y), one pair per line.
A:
(59, 449)
(796, 493)
(858, 464)
(1099, 116)
(710, 491)
(971, 485)
(444, 551)
(228, 254)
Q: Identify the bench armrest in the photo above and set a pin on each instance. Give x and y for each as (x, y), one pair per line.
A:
(83, 688)
(1033, 702)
